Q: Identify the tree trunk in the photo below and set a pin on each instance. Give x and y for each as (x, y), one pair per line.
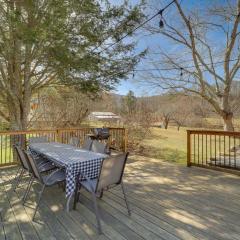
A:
(166, 122)
(18, 116)
(227, 122)
(227, 113)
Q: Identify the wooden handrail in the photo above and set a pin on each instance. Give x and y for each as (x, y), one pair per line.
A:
(213, 132)
(26, 132)
(8, 138)
(213, 149)
(50, 130)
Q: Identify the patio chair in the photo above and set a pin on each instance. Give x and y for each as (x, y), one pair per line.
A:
(99, 147)
(87, 144)
(74, 141)
(49, 180)
(23, 168)
(110, 175)
(26, 168)
(41, 139)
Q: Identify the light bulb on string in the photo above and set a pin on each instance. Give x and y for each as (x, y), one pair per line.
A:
(181, 72)
(98, 58)
(133, 74)
(161, 22)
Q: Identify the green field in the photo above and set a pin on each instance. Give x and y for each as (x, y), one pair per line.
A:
(169, 145)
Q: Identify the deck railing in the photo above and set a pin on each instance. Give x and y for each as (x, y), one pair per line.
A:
(117, 139)
(214, 149)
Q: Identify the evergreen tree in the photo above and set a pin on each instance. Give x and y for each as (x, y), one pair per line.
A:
(55, 42)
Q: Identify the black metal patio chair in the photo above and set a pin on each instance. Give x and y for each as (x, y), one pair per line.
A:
(49, 180)
(110, 175)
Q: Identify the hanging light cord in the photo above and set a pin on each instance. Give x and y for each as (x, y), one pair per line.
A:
(182, 68)
(136, 28)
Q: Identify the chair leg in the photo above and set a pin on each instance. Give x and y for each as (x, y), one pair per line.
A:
(100, 194)
(18, 180)
(125, 199)
(64, 186)
(75, 199)
(38, 202)
(78, 195)
(28, 189)
(97, 213)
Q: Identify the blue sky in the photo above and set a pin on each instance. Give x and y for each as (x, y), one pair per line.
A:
(154, 42)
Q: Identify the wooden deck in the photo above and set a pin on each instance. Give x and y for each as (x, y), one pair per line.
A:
(168, 202)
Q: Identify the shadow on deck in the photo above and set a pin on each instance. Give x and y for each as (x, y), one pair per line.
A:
(168, 202)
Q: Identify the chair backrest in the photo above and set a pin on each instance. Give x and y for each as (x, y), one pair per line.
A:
(34, 166)
(87, 144)
(111, 172)
(41, 139)
(22, 158)
(99, 147)
(74, 141)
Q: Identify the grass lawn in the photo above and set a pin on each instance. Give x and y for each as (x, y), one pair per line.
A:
(169, 145)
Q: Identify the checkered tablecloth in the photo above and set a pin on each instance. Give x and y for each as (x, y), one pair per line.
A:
(75, 160)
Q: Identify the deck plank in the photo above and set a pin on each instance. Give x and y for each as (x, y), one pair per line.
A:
(78, 218)
(111, 219)
(168, 202)
(11, 228)
(123, 227)
(73, 227)
(137, 226)
(39, 226)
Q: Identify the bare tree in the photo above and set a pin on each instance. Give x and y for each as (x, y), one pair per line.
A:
(182, 111)
(166, 117)
(138, 117)
(211, 39)
(59, 107)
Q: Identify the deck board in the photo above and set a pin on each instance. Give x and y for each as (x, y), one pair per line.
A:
(168, 202)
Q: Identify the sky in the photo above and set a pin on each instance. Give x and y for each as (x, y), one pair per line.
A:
(153, 43)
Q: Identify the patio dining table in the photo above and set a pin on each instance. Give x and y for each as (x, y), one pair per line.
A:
(74, 160)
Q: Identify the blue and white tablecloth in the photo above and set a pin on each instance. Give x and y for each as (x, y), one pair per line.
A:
(75, 160)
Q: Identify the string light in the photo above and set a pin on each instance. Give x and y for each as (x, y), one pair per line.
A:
(182, 68)
(161, 24)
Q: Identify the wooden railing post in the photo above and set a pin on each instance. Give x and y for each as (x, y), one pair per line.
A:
(188, 148)
(125, 139)
(58, 135)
